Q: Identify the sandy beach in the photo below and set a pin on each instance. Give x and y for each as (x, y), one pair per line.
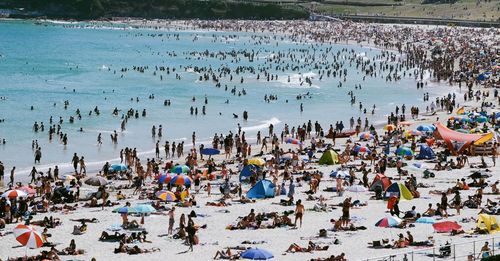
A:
(221, 220)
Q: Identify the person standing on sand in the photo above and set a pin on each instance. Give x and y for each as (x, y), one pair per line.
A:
(2, 172)
(171, 220)
(299, 212)
(82, 166)
(75, 161)
(33, 175)
(444, 204)
(11, 182)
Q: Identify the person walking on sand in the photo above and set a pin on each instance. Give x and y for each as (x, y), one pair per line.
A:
(75, 161)
(11, 182)
(299, 212)
(82, 166)
(171, 220)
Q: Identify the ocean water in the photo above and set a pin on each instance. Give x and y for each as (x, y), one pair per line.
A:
(50, 63)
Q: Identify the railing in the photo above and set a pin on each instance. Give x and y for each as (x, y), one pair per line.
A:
(467, 250)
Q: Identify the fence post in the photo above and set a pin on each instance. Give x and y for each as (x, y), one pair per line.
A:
(474, 250)
(433, 253)
(454, 252)
(493, 245)
(412, 255)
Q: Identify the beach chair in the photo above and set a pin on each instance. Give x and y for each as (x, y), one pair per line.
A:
(445, 251)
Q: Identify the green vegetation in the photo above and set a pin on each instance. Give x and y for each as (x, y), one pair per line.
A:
(482, 10)
(210, 9)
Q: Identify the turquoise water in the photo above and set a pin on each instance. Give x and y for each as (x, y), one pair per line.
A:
(42, 65)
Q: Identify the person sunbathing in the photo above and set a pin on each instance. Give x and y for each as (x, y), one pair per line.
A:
(293, 248)
(88, 220)
(79, 230)
(222, 203)
(111, 237)
(135, 250)
(132, 225)
(226, 255)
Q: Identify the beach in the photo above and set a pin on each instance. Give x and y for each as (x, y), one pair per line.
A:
(230, 86)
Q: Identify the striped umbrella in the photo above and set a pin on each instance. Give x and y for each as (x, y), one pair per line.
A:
(125, 210)
(181, 180)
(180, 169)
(388, 222)
(29, 190)
(361, 149)
(293, 141)
(164, 178)
(365, 136)
(28, 236)
(14, 193)
(166, 195)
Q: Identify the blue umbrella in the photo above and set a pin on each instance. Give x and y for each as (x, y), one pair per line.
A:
(210, 151)
(119, 167)
(125, 210)
(426, 128)
(343, 174)
(257, 254)
(144, 209)
(426, 220)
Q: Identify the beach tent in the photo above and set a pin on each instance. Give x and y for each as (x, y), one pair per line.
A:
(329, 157)
(398, 190)
(263, 189)
(488, 223)
(426, 152)
(458, 142)
(380, 180)
(247, 171)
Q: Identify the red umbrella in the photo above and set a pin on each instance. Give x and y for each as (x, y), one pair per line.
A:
(446, 226)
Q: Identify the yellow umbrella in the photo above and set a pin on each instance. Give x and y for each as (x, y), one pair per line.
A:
(257, 161)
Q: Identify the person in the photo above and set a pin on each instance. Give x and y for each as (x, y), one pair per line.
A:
(191, 232)
(299, 212)
(485, 251)
(457, 202)
(11, 181)
(395, 209)
(444, 204)
(171, 220)
(346, 206)
(409, 239)
(226, 255)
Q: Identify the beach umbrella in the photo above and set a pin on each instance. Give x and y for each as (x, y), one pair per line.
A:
(96, 181)
(181, 180)
(361, 149)
(343, 174)
(180, 169)
(164, 178)
(14, 193)
(257, 254)
(256, 161)
(389, 127)
(293, 141)
(69, 178)
(144, 209)
(166, 195)
(404, 151)
(426, 128)
(119, 167)
(125, 210)
(413, 133)
(29, 190)
(446, 226)
(426, 220)
(388, 222)
(365, 136)
(210, 151)
(28, 236)
(356, 188)
(405, 123)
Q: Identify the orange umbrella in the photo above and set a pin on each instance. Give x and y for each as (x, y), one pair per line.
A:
(28, 236)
